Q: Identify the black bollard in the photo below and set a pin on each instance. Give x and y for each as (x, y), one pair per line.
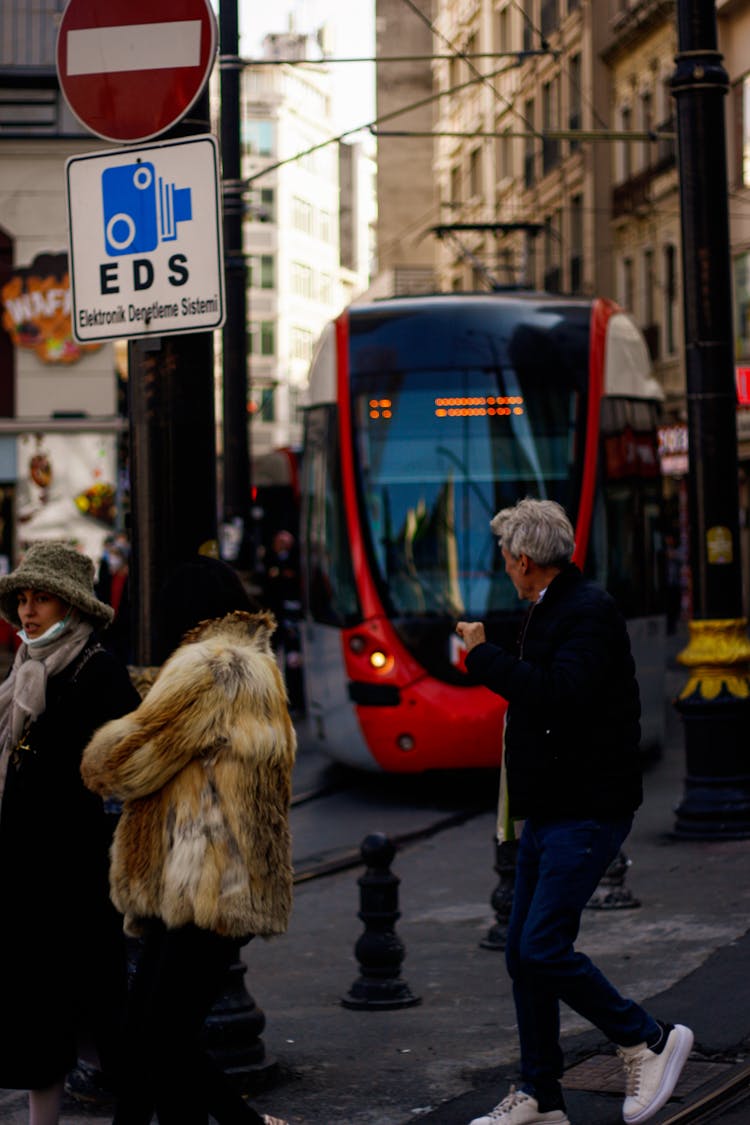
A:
(232, 1033)
(379, 951)
(506, 852)
(612, 894)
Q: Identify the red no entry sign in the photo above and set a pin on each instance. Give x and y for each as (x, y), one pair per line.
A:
(130, 69)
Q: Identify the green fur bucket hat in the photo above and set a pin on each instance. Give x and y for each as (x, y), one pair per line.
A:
(58, 569)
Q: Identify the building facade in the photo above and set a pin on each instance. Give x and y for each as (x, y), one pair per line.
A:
(406, 114)
(292, 231)
(519, 189)
(58, 399)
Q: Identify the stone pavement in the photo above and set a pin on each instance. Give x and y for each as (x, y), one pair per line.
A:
(685, 951)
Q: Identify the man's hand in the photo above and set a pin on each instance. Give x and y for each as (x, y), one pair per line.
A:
(471, 633)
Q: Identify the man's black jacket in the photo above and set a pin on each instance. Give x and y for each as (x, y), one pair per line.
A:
(572, 729)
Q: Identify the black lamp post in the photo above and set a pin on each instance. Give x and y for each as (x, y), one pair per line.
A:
(715, 702)
(236, 434)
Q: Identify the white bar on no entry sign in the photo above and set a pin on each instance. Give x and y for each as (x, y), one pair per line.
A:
(135, 46)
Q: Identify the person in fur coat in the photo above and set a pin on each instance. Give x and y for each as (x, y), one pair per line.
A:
(202, 852)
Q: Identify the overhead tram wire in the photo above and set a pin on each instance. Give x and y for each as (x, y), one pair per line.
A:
(326, 60)
(484, 78)
(370, 125)
(543, 40)
(545, 134)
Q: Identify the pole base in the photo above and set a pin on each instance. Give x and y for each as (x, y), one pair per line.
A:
(714, 809)
(381, 996)
(715, 709)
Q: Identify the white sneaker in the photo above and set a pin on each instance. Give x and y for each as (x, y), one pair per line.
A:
(521, 1109)
(651, 1078)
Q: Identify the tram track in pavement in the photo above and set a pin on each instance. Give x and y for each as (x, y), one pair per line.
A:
(318, 865)
(726, 1101)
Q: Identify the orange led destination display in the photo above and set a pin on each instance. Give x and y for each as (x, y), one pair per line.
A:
(478, 406)
(459, 407)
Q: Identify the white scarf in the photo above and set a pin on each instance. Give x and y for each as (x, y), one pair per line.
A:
(22, 694)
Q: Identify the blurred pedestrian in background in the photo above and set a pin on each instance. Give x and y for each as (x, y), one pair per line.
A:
(54, 833)
(202, 852)
(113, 587)
(282, 595)
(573, 775)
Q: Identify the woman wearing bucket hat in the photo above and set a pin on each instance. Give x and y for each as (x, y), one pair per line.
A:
(54, 834)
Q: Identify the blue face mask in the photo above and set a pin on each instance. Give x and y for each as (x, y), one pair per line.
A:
(48, 636)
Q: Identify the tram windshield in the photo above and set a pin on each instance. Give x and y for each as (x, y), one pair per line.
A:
(440, 450)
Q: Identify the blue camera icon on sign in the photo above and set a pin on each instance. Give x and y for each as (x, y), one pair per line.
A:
(141, 209)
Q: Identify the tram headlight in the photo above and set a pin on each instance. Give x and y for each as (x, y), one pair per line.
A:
(405, 742)
(381, 661)
(357, 644)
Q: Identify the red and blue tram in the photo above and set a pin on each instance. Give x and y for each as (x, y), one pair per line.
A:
(428, 414)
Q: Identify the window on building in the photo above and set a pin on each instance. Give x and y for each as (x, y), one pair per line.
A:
(267, 405)
(325, 289)
(302, 215)
(301, 342)
(454, 72)
(326, 226)
(666, 147)
(741, 98)
(296, 417)
(261, 207)
(267, 213)
(550, 123)
(302, 280)
(648, 286)
(646, 125)
(503, 156)
(670, 299)
(575, 117)
(528, 266)
(552, 278)
(475, 173)
(626, 125)
(742, 305)
(262, 274)
(576, 243)
(648, 290)
(550, 17)
(471, 49)
(503, 29)
(529, 145)
(529, 34)
(262, 337)
(627, 290)
(267, 337)
(456, 192)
(257, 138)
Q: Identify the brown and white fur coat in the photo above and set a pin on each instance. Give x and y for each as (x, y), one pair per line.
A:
(203, 767)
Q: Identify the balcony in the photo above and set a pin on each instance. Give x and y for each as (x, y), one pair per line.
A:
(634, 20)
(634, 195)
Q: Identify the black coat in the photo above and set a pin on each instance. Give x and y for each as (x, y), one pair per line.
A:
(573, 723)
(62, 964)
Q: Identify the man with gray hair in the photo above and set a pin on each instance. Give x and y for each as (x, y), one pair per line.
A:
(573, 774)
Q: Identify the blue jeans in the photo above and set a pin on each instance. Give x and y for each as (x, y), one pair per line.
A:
(559, 866)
